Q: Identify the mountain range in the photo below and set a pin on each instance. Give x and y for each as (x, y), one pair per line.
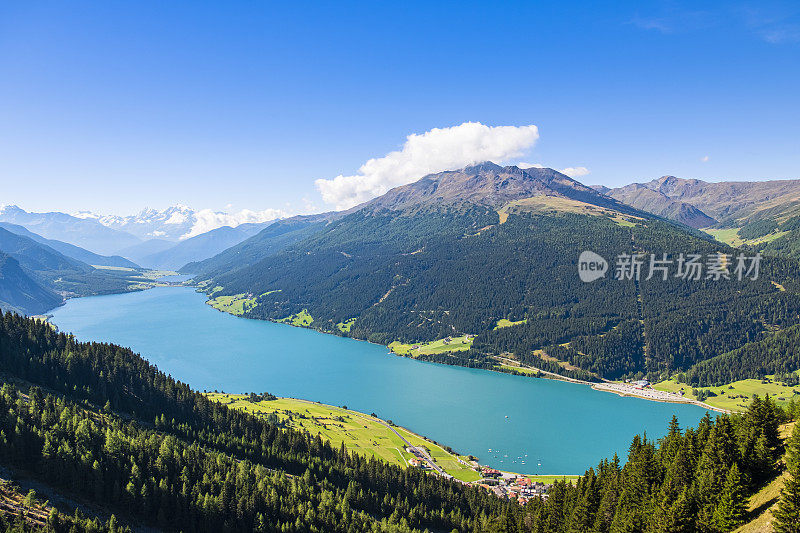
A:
(70, 250)
(172, 256)
(86, 233)
(760, 215)
(487, 184)
(373, 265)
(165, 239)
(36, 277)
(179, 222)
(461, 252)
(169, 224)
(724, 203)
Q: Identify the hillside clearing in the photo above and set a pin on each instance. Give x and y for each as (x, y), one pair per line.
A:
(449, 344)
(301, 319)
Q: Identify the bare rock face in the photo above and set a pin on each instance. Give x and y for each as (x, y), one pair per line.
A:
(654, 201)
(487, 184)
(700, 203)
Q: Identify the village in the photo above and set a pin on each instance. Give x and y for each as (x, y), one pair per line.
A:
(504, 484)
(512, 486)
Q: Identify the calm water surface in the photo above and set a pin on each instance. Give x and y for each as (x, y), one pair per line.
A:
(554, 427)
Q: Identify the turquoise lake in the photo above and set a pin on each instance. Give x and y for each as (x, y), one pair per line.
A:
(536, 426)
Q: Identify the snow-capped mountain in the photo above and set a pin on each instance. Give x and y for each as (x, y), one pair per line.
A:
(85, 232)
(179, 222)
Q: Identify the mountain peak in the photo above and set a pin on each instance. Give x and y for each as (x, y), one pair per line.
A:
(486, 184)
(485, 166)
(7, 209)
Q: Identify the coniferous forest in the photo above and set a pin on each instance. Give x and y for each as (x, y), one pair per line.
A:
(401, 276)
(292, 207)
(97, 421)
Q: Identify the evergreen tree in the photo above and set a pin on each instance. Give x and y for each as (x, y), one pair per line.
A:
(731, 506)
(787, 515)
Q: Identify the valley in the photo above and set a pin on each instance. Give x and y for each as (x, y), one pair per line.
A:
(383, 267)
(217, 351)
(392, 272)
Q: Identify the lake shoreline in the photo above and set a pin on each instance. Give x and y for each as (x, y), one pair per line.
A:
(469, 410)
(606, 386)
(541, 374)
(234, 398)
(623, 389)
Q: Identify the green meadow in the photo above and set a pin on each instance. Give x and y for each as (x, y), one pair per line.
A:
(302, 319)
(236, 305)
(506, 323)
(736, 396)
(361, 433)
(454, 344)
(344, 327)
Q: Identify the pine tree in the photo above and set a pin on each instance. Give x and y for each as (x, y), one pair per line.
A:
(787, 515)
(730, 510)
(676, 518)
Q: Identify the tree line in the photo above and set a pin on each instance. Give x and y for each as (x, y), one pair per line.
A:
(96, 420)
(431, 273)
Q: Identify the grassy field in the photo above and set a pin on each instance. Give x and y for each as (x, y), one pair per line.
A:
(623, 221)
(455, 344)
(302, 319)
(736, 396)
(361, 433)
(139, 279)
(344, 327)
(731, 236)
(155, 274)
(553, 204)
(235, 305)
(727, 235)
(520, 369)
(506, 323)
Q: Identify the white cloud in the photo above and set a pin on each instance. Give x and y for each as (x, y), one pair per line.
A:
(572, 172)
(207, 220)
(705, 159)
(436, 150)
(308, 205)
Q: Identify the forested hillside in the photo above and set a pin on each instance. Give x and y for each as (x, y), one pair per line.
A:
(272, 239)
(96, 421)
(21, 293)
(70, 250)
(36, 278)
(423, 263)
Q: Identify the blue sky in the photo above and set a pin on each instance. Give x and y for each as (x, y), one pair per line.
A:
(113, 106)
